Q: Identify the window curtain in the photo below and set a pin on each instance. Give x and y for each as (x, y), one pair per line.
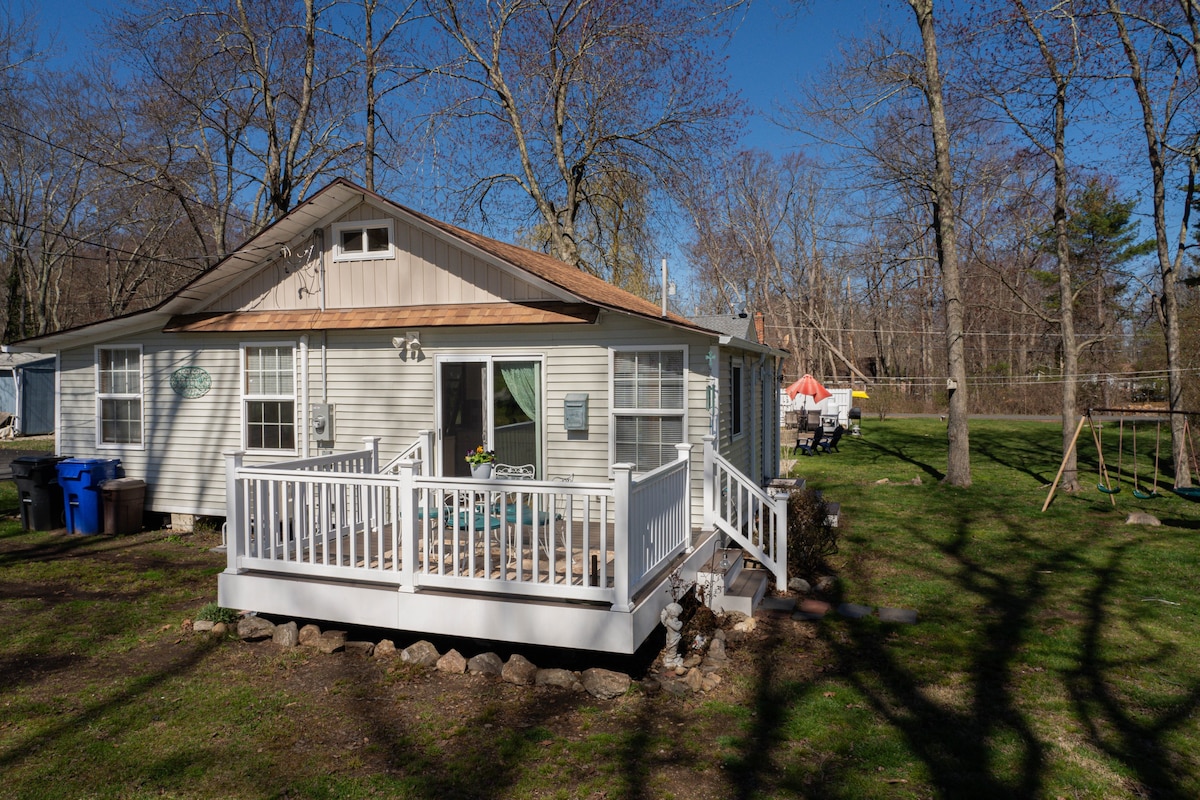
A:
(523, 381)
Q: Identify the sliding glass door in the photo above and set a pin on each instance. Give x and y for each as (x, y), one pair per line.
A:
(494, 402)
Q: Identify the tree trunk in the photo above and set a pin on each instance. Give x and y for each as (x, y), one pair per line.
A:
(1169, 303)
(958, 457)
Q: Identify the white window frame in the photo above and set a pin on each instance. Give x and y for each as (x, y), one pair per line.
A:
(614, 412)
(249, 398)
(363, 225)
(140, 396)
(489, 378)
(737, 398)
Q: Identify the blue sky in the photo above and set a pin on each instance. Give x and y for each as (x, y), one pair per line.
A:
(775, 45)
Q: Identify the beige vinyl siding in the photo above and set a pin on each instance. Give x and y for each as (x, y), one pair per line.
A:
(181, 461)
(425, 270)
(375, 392)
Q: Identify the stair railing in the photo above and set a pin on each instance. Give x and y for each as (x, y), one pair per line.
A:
(749, 515)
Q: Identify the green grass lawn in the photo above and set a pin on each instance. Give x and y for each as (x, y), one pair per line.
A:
(1056, 655)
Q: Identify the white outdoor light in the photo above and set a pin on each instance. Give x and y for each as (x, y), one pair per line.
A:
(409, 344)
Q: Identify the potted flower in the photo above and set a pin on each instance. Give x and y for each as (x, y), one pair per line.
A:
(481, 462)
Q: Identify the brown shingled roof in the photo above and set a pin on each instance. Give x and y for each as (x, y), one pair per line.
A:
(582, 284)
(386, 317)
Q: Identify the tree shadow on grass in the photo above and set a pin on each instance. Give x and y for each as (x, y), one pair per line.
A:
(901, 452)
(1100, 686)
(982, 742)
(959, 742)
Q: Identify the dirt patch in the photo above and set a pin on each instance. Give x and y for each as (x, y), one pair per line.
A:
(116, 659)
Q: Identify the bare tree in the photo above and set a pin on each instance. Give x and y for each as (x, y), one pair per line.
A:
(1162, 104)
(255, 93)
(385, 70)
(550, 104)
(958, 460)
(1034, 65)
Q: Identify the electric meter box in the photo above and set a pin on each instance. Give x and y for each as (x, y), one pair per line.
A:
(322, 423)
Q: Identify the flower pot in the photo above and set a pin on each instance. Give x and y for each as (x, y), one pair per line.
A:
(481, 472)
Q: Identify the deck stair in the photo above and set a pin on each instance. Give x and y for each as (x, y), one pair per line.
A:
(727, 583)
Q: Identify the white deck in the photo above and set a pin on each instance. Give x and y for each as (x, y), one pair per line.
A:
(580, 565)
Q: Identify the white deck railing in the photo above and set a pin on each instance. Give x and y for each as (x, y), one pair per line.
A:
(420, 450)
(741, 509)
(324, 518)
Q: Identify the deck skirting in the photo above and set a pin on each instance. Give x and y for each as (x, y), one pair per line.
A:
(581, 626)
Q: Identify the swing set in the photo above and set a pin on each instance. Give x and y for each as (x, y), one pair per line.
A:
(1110, 487)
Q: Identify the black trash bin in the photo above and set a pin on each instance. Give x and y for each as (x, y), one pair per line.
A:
(37, 486)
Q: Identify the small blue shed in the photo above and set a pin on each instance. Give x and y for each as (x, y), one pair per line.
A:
(27, 392)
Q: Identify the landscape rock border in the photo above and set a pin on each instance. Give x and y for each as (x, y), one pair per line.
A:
(699, 672)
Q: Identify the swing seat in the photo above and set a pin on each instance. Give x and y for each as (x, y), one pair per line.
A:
(1140, 495)
(1189, 493)
(1106, 490)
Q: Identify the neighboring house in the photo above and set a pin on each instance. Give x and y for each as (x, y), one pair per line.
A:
(321, 385)
(27, 392)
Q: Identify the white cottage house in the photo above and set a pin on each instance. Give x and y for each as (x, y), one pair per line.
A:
(320, 387)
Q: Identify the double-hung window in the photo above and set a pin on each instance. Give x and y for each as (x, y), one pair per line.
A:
(649, 392)
(119, 396)
(269, 397)
(355, 241)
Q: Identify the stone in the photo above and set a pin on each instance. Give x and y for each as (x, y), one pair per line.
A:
(453, 662)
(1142, 518)
(220, 629)
(817, 607)
(309, 635)
(719, 634)
(694, 680)
(421, 654)
(710, 682)
(716, 651)
(825, 583)
(692, 661)
(605, 684)
(518, 670)
(255, 629)
(745, 626)
(904, 616)
(675, 688)
(799, 585)
(854, 610)
(331, 642)
(385, 649)
(916, 481)
(882, 482)
(203, 625)
(485, 664)
(559, 678)
(810, 613)
(779, 604)
(360, 648)
(651, 686)
(286, 635)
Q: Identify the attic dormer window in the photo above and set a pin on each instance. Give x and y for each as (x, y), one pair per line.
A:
(356, 241)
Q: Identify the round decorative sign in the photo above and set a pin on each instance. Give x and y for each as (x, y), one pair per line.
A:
(190, 382)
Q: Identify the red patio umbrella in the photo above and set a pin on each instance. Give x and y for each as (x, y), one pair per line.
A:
(808, 385)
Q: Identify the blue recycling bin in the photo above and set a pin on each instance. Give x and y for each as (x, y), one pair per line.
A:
(80, 479)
